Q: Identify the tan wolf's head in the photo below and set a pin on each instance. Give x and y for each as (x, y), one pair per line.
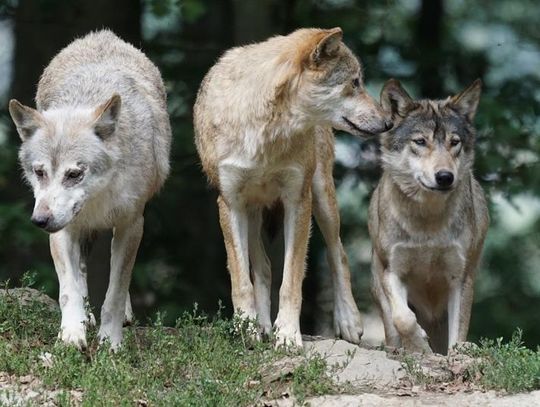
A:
(329, 84)
(431, 145)
(65, 157)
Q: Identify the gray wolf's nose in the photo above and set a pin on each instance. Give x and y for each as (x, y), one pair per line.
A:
(444, 178)
(40, 220)
(388, 124)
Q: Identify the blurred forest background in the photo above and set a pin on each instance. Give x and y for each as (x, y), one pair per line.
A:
(434, 47)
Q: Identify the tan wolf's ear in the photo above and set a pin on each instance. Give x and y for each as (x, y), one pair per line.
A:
(26, 119)
(327, 46)
(394, 99)
(466, 102)
(106, 117)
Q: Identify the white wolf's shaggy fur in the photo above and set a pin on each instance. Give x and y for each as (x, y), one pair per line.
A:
(95, 151)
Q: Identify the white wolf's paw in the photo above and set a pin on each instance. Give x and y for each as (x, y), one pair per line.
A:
(348, 322)
(248, 324)
(287, 334)
(113, 338)
(74, 335)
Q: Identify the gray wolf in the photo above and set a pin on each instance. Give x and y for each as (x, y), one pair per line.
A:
(263, 119)
(95, 151)
(427, 220)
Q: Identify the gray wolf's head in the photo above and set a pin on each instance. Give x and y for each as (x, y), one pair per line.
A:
(65, 157)
(431, 145)
(330, 86)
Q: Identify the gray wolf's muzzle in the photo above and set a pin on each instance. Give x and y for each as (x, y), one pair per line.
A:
(444, 179)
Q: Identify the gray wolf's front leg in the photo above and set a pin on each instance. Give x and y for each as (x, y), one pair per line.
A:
(126, 239)
(66, 254)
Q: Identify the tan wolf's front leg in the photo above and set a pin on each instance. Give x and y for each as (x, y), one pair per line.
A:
(347, 318)
(297, 223)
(234, 225)
(66, 254)
(125, 244)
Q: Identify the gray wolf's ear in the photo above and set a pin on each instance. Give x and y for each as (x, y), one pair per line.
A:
(394, 99)
(327, 46)
(106, 117)
(466, 102)
(26, 119)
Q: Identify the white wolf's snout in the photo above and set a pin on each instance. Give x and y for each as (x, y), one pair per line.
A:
(55, 211)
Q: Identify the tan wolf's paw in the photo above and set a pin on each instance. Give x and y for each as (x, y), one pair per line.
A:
(287, 335)
(74, 335)
(348, 322)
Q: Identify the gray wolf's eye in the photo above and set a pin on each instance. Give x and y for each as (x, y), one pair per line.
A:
(454, 142)
(356, 83)
(419, 141)
(74, 174)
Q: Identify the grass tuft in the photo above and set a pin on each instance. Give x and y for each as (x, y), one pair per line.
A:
(201, 361)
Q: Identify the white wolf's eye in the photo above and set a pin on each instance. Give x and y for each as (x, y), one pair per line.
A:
(74, 174)
(40, 173)
(356, 83)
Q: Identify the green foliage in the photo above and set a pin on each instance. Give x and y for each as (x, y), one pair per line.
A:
(507, 366)
(200, 361)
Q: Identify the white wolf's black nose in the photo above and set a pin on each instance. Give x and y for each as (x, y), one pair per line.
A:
(40, 220)
(444, 178)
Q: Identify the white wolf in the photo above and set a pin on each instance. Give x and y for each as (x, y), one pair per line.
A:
(95, 151)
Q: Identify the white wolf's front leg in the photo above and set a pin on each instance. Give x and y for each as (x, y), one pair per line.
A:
(297, 223)
(126, 239)
(66, 254)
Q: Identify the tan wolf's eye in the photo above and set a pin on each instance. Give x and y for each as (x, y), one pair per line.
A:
(356, 83)
(454, 142)
(419, 141)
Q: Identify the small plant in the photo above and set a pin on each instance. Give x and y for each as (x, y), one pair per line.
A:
(506, 366)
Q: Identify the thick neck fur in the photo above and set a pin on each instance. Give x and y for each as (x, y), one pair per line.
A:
(426, 211)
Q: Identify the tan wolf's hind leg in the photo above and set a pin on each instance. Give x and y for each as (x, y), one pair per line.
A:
(125, 244)
(261, 271)
(347, 318)
(235, 228)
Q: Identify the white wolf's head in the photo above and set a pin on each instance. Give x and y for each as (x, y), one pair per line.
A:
(66, 157)
(331, 87)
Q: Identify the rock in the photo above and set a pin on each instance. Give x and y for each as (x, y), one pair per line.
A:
(26, 295)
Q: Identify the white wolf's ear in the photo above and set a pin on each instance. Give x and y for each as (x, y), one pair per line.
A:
(106, 117)
(394, 99)
(26, 119)
(327, 46)
(466, 102)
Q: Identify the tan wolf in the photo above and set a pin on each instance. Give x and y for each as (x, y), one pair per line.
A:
(95, 151)
(427, 220)
(263, 120)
